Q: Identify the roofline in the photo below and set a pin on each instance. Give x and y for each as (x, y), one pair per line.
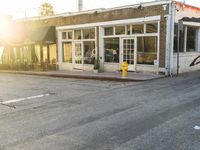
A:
(68, 14)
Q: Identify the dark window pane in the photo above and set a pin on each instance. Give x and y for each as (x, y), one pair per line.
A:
(128, 29)
(89, 52)
(89, 33)
(120, 30)
(191, 32)
(181, 39)
(70, 35)
(64, 35)
(137, 29)
(175, 37)
(152, 28)
(147, 50)
(108, 31)
(111, 50)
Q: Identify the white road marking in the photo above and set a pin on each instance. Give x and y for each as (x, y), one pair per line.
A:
(197, 127)
(23, 99)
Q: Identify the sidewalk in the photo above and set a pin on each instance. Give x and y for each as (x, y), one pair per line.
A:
(107, 76)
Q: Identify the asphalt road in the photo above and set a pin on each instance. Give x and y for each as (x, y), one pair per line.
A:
(42, 113)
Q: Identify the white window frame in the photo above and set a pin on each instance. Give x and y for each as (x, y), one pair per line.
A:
(101, 26)
(82, 40)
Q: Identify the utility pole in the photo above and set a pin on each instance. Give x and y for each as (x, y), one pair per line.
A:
(80, 5)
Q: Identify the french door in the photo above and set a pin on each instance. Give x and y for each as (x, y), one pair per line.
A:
(78, 55)
(129, 52)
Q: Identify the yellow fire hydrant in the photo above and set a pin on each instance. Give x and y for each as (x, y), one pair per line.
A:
(124, 69)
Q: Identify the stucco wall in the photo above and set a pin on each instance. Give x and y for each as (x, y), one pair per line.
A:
(185, 60)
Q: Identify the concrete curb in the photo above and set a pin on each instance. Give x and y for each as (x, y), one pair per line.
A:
(75, 76)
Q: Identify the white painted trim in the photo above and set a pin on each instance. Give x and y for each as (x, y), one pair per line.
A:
(197, 45)
(132, 35)
(195, 24)
(96, 49)
(111, 23)
(60, 53)
(145, 4)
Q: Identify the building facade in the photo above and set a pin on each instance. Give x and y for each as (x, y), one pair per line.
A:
(143, 35)
(134, 34)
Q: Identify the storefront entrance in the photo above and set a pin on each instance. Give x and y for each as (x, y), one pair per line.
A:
(78, 55)
(129, 52)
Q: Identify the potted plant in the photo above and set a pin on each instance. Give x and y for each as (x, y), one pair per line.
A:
(96, 66)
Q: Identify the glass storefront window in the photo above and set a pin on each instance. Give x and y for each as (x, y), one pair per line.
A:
(128, 29)
(147, 50)
(137, 29)
(45, 54)
(89, 33)
(89, 52)
(52, 53)
(67, 52)
(37, 53)
(152, 28)
(5, 57)
(108, 31)
(191, 36)
(27, 54)
(1, 54)
(111, 46)
(77, 34)
(64, 35)
(120, 30)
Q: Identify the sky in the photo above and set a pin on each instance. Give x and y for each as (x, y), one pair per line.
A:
(27, 8)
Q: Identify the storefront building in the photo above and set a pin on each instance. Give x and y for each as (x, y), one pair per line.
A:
(133, 34)
(143, 35)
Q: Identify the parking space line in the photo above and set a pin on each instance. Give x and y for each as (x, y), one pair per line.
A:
(24, 99)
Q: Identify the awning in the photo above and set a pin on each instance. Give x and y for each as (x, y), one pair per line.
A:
(41, 35)
(186, 19)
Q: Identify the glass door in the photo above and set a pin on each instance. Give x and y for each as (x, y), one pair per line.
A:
(128, 52)
(78, 55)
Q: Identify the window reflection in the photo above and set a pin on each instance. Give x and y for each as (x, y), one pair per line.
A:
(89, 52)
(111, 50)
(89, 33)
(152, 28)
(108, 31)
(120, 30)
(137, 29)
(77, 34)
(147, 50)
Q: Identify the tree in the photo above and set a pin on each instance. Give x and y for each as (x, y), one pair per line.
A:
(46, 9)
